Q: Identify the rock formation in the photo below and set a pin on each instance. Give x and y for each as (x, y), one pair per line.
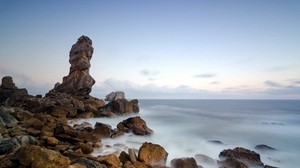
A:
(115, 96)
(79, 81)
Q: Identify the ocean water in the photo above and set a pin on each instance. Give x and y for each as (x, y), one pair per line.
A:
(187, 127)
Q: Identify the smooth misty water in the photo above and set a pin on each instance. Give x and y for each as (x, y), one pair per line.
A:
(185, 127)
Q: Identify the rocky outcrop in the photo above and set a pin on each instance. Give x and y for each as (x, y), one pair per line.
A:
(10, 94)
(5, 117)
(115, 96)
(122, 106)
(152, 155)
(79, 81)
(240, 157)
(135, 124)
(184, 163)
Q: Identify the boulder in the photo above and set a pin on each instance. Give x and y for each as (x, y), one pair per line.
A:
(205, 160)
(184, 163)
(79, 81)
(122, 106)
(115, 96)
(36, 157)
(110, 160)
(103, 130)
(240, 156)
(85, 148)
(135, 124)
(152, 154)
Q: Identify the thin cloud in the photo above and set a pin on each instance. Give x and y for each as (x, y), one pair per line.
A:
(215, 82)
(272, 83)
(149, 73)
(205, 75)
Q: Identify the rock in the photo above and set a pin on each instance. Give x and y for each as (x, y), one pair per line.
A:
(103, 130)
(52, 141)
(85, 148)
(110, 160)
(132, 155)
(152, 154)
(263, 147)
(217, 142)
(124, 157)
(86, 115)
(115, 96)
(5, 117)
(122, 106)
(82, 126)
(184, 163)
(77, 165)
(79, 81)
(59, 111)
(32, 131)
(206, 160)
(88, 163)
(12, 144)
(36, 157)
(135, 124)
(240, 156)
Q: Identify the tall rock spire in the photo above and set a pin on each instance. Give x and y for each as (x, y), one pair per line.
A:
(79, 81)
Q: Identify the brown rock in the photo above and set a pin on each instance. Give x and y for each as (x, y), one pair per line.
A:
(77, 165)
(36, 157)
(122, 106)
(32, 131)
(58, 111)
(136, 124)
(33, 122)
(86, 148)
(240, 156)
(152, 154)
(52, 141)
(88, 163)
(184, 163)
(79, 81)
(86, 115)
(110, 160)
(132, 155)
(103, 130)
(124, 157)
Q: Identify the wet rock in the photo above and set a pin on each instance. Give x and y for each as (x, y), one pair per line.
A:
(205, 160)
(240, 156)
(132, 155)
(5, 117)
(88, 163)
(184, 163)
(152, 154)
(124, 157)
(217, 142)
(12, 144)
(52, 141)
(32, 131)
(85, 148)
(79, 81)
(135, 124)
(86, 115)
(36, 157)
(263, 147)
(115, 96)
(103, 130)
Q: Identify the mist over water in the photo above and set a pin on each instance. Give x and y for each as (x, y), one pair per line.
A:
(186, 127)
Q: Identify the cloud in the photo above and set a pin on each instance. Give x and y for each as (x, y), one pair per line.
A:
(272, 83)
(215, 82)
(149, 73)
(205, 75)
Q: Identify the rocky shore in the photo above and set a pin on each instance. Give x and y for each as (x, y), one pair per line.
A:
(34, 130)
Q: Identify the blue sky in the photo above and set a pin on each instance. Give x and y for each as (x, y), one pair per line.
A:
(158, 49)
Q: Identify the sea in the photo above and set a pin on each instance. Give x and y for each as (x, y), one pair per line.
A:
(186, 128)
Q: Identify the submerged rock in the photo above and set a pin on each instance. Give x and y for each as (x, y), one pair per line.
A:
(263, 147)
(240, 157)
(79, 81)
(184, 163)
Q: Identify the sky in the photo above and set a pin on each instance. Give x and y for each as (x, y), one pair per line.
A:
(193, 49)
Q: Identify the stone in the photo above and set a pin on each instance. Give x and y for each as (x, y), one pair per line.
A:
(77, 165)
(88, 163)
(59, 111)
(132, 155)
(36, 157)
(135, 124)
(124, 157)
(103, 130)
(110, 160)
(7, 87)
(206, 160)
(79, 81)
(122, 106)
(5, 117)
(152, 154)
(184, 163)
(85, 148)
(115, 96)
(86, 115)
(12, 144)
(263, 147)
(32, 131)
(240, 156)
(52, 141)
